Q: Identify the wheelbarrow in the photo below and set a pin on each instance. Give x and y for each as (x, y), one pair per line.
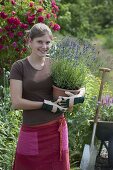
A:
(104, 132)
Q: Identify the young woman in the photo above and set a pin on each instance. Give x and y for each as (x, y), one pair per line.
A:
(43, 137)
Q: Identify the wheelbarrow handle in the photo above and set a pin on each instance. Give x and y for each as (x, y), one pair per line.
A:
(104, 70)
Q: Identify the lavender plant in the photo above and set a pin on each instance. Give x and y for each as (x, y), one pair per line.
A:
(72, 60)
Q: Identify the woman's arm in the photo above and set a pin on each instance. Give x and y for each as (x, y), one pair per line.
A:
(16, 97)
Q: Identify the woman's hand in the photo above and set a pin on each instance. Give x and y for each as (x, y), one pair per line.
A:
(73, 99)
(53, 107)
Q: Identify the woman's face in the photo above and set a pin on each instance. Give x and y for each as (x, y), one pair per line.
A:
(40, 45)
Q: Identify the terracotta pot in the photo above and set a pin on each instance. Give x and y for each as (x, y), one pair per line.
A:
(61, 92)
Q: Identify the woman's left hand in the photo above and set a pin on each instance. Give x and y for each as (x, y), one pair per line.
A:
(73, 99)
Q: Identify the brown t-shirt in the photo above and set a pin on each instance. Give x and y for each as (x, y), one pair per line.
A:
(36, 86)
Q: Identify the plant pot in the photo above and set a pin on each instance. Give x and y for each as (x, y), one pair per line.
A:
(61, 92)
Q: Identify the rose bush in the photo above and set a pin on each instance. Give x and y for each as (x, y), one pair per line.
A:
(15, 18)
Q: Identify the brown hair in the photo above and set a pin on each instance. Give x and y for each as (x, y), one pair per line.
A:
(38, 30)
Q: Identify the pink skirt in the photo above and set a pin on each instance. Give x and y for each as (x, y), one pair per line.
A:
(43, 147)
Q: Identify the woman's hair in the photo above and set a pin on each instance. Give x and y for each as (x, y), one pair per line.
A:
(38, 30)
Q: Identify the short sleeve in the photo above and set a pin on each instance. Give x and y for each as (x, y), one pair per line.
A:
(16, 71)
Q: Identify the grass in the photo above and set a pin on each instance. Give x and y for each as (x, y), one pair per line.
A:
(106, 56)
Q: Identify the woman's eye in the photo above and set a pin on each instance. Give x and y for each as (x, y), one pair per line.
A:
(39, 42)
(48, 42)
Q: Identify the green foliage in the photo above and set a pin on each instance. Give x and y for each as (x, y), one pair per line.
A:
(109, 40)
(9, 129)
(79, 126)
(85, 18)
(107, 113)
(9, 126)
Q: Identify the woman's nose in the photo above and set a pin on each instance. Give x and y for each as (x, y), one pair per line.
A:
(44, 46)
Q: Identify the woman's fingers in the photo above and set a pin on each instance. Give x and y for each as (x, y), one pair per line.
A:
(69, 93)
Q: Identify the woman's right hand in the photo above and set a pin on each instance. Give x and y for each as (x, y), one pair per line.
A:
(53, 107)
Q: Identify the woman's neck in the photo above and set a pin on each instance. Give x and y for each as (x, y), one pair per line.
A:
(36, 59)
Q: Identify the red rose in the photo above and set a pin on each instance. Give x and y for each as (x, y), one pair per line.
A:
(13, 20)
(40, 19)
(31, 18)
(7, 28)
(1, 30)
(24, 49)
(56, 27)
(40, 9)
(48, 16)
(56, 8)
(13, 12)
(31, 4)
(41, 1)
(24, 26)
(13, 2)
(11, 34)
(3, 15)
(1, 46)
(53, 3)
(20, 34)
(17, 49)
(51, 24)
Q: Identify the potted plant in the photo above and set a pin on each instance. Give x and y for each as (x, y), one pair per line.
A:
(70, 59)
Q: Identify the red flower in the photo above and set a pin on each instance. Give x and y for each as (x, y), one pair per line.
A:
(24, 49)
(17, 49)
(3, 15)
(16, 21)
(14, 44)
(11, 34)
(51, 24)
(13, 12)
(41, 1)
(1, 30)
(1, 46)
(7, 28)
(40, 19)
(4, 37)
(55, 16)
(20, 34)
(31, 18)
(13, 2)
(56, 8)
(53, 11)
(53, 3)
(14, 26)
(48, 16)
(40, 9)
(13, 20)
(31, 4)
(56, 27)
(24, 26)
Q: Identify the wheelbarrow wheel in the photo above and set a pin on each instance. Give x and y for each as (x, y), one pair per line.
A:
(110, 153)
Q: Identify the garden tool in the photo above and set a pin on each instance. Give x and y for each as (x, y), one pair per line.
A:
(90, 152)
